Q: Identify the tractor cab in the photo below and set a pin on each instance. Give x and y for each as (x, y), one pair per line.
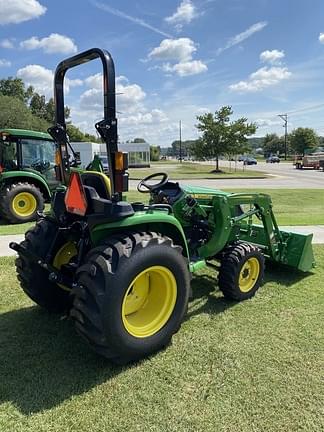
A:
(27, 173)
(25, 150)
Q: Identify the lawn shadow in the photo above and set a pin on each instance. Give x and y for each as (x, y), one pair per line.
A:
(206, 286)
(43, 362)
(284, 275)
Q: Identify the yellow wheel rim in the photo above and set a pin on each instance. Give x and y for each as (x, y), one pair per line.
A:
(149, 301)
(64, 256)
(24, 204)
(249, 274)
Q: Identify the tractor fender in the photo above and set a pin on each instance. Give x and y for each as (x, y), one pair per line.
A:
(157, 221)
(28, 177)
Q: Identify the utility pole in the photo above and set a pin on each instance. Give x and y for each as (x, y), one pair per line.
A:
(180, 141)
(284, 117)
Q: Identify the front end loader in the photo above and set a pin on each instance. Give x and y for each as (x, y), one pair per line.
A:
(122, 270)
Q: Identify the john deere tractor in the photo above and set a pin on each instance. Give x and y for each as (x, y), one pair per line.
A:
(122, 270)
(27, 177)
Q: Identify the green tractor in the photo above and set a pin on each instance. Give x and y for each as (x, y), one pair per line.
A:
(28, 160)
(27, 176)
(122, 270)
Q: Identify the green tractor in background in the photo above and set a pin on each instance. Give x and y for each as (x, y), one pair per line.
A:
(28, 160)
(122, 270)
(27, 173)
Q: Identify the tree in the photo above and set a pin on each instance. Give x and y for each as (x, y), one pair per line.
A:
(237, 141)
(15, 114)
(74, 133)
(50, 111)
(37, 105)
(15, 87)
(273, 144)
(139, 140)
(220, 135)
(185, 147)
(155, 153)
(303, 138)
(45, 110)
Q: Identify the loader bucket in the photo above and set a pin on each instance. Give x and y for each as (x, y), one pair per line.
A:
(298, 251)
(292, 248)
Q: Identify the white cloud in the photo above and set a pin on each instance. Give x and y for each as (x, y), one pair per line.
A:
(184, 14)
(321, 38)
(174, 49)
(155, 116)
(187, 68)
(94, 81)
(6, 43)
(263, 122)
(129, 96)
(272, 57)
(54, 43)
(240, 37)
(17, 11)
(5, 63)
(181, 51)
(261, 79)
(42, 79)
(135, 117)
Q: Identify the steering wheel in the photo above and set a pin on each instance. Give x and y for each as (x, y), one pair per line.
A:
(40, 165)
(144, 187)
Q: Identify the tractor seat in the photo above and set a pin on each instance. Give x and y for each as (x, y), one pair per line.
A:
(99, 181)
(98, 194)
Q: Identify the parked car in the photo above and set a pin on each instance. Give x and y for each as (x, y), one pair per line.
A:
(242, 158)
(250, 161)
(273, 159)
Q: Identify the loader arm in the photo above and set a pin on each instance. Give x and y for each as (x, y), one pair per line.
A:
(284, 247)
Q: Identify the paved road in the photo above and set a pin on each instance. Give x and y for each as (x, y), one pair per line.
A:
(282, 176)
(317, 230)
(4, 243)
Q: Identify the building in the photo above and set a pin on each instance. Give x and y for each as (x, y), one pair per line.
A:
(138, 153)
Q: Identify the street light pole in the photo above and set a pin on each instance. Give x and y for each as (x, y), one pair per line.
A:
(180, 141)
(284, 117)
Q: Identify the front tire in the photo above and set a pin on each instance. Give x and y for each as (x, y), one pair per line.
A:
(241, 271)
(133, 296)
(20, 202)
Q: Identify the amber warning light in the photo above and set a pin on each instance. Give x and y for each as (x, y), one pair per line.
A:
(75, 199)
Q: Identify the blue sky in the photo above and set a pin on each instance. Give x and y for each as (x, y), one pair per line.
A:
(175, 59)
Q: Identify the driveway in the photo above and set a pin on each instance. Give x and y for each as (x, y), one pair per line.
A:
(282, 176)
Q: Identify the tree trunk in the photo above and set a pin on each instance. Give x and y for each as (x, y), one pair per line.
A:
(217, 165)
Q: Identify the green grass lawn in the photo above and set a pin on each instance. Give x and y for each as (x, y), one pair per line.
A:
(295, 206)
(291, 207)
(185, 171)
(233, 367)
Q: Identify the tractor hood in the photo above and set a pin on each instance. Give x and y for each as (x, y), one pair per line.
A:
(203, 192)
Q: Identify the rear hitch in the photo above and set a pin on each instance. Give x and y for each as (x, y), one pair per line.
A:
(54, 275)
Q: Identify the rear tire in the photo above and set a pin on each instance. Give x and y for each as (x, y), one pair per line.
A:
(241, 271)
(34, 279)
(122, 316)
(20, 202)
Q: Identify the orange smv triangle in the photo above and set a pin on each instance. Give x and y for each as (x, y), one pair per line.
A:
(75, 199)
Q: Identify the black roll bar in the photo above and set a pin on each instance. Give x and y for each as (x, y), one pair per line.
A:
(107, 127)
